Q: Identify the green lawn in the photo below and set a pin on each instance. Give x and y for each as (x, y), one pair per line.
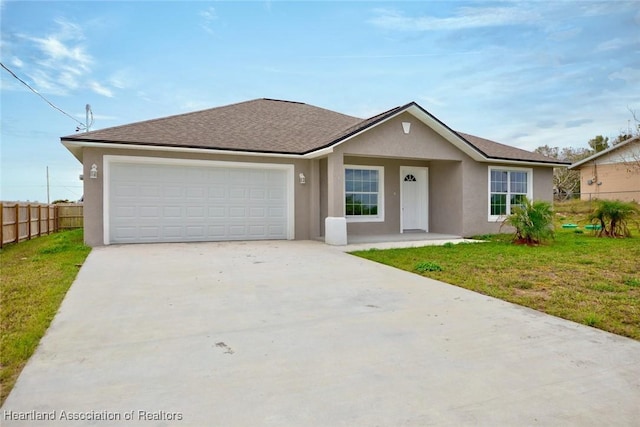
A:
(34, 278)
(586, 279)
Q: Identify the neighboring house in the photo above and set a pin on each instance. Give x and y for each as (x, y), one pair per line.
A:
(613, 173)
(269, 169)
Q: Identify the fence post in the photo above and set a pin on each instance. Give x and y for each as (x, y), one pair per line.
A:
(29, 221)
(17, 208)
(39, 223)
(1, 225)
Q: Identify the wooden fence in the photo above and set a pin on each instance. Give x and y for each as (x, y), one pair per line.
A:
(24, 221)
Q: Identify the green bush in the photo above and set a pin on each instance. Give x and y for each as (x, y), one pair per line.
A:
(612, 216)
(533, 222)
(427, 266)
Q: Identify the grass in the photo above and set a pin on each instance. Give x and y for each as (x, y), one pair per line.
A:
(34, 278)
(590, 280)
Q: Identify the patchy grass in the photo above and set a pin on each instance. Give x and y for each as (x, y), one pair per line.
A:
(34, 278)
(579, 277)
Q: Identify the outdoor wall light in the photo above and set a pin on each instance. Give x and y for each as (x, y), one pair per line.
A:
(406, 127)
(303, 179)
(93, 173)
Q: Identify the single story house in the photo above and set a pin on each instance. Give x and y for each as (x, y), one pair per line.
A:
(613, 173)
(271, 169)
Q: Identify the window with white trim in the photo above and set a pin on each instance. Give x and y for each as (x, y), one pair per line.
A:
(364, 194)
(507, 188)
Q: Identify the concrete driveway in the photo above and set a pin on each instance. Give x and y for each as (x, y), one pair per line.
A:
(302, 334)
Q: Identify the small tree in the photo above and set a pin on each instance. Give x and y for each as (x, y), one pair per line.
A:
(533, 222)
(612, 216)
(566, 182)
(599, 143)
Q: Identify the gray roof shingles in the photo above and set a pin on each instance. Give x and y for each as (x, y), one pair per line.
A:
(267, 126)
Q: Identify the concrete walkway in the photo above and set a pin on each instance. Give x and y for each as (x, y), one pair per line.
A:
(302, 334)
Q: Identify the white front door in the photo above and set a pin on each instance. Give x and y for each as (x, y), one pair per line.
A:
(414, 198)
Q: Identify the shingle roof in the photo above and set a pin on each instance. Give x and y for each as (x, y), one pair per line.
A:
(606, 151)
(261, 125)
(270, 126)
(496, 150)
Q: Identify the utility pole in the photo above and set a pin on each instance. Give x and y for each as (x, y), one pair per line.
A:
(87, 110)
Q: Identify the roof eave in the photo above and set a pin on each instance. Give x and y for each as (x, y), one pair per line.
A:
(603, 152)
(526, 162)
(75, 146)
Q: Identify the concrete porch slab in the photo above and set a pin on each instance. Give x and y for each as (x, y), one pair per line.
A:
(401, 240)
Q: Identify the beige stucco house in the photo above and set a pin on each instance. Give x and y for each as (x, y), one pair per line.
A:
(270, 169)
(613, 173)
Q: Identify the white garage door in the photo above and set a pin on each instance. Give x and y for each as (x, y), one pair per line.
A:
(182, 203)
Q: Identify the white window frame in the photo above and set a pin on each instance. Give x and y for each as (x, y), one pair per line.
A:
(528, 171)
(366, 218)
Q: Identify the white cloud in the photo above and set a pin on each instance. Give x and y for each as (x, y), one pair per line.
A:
(121, 79)
(17, 62)
(61, 62)
(430, 100)
(68, 80)
(100, 89)
(629, 75)
(465, 17)
(195, 105)
(612, 44)
(44, 82)
(209, 15)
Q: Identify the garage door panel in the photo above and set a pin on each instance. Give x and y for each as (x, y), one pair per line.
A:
(172, 232)
(236, 212)
(236, 231)
(195, 212)
(257, 230)
(172, 212)
(237, 193)
(257, 194)
(149, 211)
(126, 212)
(277, 212)
(173, 203)
(149, 232)
(217, 192)
(217, 212)
(195, 231)
(258, 212)
(151, 191)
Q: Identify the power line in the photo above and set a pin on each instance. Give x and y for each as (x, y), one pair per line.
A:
(41, 96)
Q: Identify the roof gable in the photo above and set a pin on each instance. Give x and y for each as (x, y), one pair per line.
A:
(479, 149)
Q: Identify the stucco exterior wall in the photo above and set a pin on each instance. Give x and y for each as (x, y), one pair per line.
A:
(618, 182)
(93, 188)
(475, 195)
(445, 198)
(389, 140)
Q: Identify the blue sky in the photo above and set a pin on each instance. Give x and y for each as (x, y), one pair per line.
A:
(522, 73)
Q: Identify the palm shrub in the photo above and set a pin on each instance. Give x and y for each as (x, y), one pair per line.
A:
(533, 221)
(613, 216)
